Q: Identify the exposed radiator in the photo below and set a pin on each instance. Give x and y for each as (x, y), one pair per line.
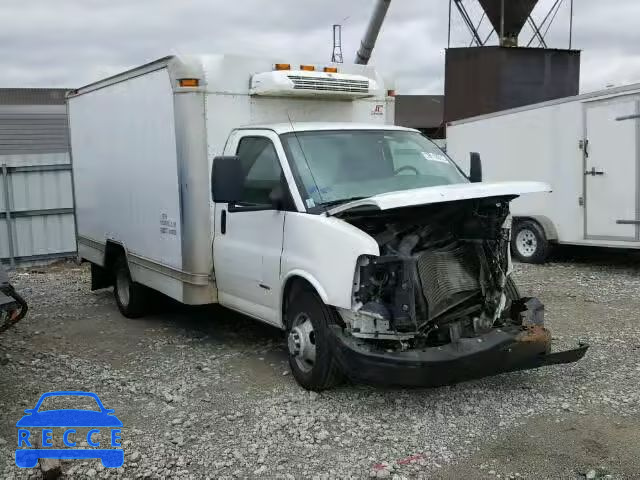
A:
(448, 276)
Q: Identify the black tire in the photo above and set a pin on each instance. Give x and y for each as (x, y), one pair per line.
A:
(324, 373)
(131, 297)
(529, 244)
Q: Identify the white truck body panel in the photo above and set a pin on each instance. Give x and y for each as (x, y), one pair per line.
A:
(142, 153)
(545, 142)
(110, 201)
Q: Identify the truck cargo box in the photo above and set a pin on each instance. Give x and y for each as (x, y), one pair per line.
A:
(143, 142)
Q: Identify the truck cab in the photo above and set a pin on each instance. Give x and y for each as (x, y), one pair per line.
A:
(374, 252)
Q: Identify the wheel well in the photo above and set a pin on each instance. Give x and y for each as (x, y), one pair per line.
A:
(293, 286)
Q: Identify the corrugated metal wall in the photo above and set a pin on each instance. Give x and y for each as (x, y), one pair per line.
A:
(36, 194)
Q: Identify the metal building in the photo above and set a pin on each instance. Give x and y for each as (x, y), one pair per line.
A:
(484, 78)
(422, 112)
(36, 194)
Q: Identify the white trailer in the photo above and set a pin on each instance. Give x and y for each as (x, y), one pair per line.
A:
(586, 147)
(282, 192)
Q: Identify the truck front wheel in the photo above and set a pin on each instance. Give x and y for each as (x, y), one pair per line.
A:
(529, 244)
(130, 296)
(312, 362)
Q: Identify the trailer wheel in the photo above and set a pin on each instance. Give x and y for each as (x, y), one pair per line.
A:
(529, 243)
(312, 362)
(130, 296)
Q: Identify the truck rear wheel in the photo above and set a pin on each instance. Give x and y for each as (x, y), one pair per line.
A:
(529, 243)
(130, 296)
(310, 356)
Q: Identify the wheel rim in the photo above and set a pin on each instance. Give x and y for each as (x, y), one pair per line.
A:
(122, 286)
(302, 342)
(526, 243)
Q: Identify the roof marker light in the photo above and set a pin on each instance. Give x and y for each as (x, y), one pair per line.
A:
(188, 82)
(282, 66)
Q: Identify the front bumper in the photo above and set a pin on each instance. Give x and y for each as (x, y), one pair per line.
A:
(498, 351)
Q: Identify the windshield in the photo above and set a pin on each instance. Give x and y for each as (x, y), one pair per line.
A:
(335, 166)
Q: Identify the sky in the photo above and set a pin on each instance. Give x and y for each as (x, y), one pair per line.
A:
(69, 43)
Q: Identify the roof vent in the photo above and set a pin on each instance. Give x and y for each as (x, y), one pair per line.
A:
(312, 84)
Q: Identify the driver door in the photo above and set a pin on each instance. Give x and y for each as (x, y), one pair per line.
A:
(248, 236)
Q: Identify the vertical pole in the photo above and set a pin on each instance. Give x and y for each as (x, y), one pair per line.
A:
(449, 29)
(7, 213)
(571, 25)
(502, 23)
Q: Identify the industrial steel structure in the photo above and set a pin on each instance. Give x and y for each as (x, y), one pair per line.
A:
(36, 192)
(483, 79)
(371, 34)
(336, 54)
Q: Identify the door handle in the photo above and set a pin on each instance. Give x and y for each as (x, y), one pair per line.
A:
(223, 222)
(584, 146)
(628, 222)
(594, 172)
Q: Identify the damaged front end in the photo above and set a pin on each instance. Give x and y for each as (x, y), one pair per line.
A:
(438, 305)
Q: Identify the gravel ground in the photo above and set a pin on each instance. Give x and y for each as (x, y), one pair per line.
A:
(204, 392)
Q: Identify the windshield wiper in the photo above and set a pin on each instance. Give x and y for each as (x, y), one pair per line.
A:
(333, 203)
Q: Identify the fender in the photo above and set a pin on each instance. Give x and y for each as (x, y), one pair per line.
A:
(324, 251)
(309, 278)
(297, 273)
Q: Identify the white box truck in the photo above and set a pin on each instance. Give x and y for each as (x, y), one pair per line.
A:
(280, 190)
(586, 147)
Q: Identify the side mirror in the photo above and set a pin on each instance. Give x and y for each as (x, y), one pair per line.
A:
(227, 180)
(475, 168)
(276, 197)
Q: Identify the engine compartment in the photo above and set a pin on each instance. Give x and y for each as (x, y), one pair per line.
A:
(442, 274)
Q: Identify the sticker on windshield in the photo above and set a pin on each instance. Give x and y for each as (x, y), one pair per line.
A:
(310, 203)
(434, 157)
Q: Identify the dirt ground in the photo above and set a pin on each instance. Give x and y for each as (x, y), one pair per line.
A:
(204, 392)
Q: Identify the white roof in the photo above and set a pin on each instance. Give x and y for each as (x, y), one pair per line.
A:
(280, 128)
(608, 92)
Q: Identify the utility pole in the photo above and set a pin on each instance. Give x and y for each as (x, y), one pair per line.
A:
(449, 29)
(571, 25)
(502, 23)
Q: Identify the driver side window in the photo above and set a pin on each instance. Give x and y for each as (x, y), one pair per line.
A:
(261, 168)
